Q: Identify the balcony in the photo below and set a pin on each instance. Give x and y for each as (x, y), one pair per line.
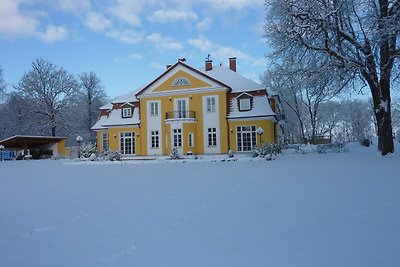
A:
(184, 115)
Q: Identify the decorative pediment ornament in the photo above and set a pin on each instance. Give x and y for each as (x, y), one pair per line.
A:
(181, 81)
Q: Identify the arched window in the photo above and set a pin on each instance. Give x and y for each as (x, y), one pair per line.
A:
(181, 81)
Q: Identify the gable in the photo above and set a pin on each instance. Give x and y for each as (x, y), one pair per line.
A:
(181, 80)
(181, 77)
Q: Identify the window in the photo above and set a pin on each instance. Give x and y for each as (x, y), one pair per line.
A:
(105, 142)
(127, 143)
(246, 137)
(155, 143)
(181, 81)
(153, 108)
(191, 140)
(182, 113)
(126, 112)
(244, 104)
(212, 136)
(177, 137)
(210, 104)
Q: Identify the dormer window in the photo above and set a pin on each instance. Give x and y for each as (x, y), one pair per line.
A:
(181, 81)
(245, 102)
(127, 113)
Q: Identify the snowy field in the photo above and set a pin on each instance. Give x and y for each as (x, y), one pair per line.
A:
(299, 210)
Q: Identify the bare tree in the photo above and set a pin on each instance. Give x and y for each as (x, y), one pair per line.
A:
(93, 97)
(49, 90)
(360, 36)
(3, 86)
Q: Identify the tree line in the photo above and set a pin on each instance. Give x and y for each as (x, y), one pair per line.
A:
(48, 100)
(350, 42)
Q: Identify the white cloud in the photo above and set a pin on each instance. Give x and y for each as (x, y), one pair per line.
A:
(53, 34)
(158, 66)
(75, 6)
(222, 52)
(172, 15)
(234, 4)
(135, 56)
(96, 21)
(126, 36)
(202, 43)
(14, 23)
(164, 42)
(128, 11)
(204, 25)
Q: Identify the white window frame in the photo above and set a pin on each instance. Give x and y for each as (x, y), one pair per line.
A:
(105, 141)
(177, 137)
(191, 140)
(246, 137)
(211, 104)
(154, 109)
(155, 139)
(124, 144)
(212, 137)
(244, 104)
(126, 112)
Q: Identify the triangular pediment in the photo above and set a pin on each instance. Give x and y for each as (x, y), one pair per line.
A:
(182, 80)
(179, 78)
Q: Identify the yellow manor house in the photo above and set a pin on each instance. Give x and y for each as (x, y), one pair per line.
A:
(208, 111)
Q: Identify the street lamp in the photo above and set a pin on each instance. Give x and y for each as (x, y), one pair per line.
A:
(260, 131)
(1, 152)
(79, 140)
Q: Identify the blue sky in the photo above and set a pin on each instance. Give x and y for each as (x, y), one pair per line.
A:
(127, 43)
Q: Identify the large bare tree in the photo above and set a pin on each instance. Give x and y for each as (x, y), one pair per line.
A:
(357, 36)
(92, 96)
(49, 90)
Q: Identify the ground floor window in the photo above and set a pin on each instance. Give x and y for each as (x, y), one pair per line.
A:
(191, 140)
(177, 137)
(155, 143)
(127, 143)
(105, 141)
(246, 137)
(212, 136)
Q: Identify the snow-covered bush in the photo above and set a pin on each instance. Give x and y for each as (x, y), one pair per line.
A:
(336, 147)
(87, 150)
(111, 155)
(267, 149)
(174, 153)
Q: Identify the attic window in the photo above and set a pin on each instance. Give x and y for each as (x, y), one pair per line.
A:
(244, 104)
(127, 113)
(181, 81)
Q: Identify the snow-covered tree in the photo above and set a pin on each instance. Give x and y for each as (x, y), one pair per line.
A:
(359, 37)
(3, 86)
(49, 90)
(91, 96)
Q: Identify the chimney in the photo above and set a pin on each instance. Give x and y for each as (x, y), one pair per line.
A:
(232, 63)
(208, 65)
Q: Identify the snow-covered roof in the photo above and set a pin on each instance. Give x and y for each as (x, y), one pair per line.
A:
(261, 108)
(107, 106)
(234, 80)
(114, 118)
(130, 97)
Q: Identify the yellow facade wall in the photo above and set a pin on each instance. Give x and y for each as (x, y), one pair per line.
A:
(114, 136)
(62, 150)
(196, 105)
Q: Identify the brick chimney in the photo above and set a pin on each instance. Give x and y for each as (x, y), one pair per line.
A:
(208, 65)
(232, 63)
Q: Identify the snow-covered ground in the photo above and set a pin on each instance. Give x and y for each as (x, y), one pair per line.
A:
(299, 210)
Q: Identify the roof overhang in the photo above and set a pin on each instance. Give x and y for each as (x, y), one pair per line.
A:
(27, 141)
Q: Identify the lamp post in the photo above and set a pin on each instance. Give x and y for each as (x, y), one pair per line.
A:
(1, 152)
(260, 131)
(79, 140)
